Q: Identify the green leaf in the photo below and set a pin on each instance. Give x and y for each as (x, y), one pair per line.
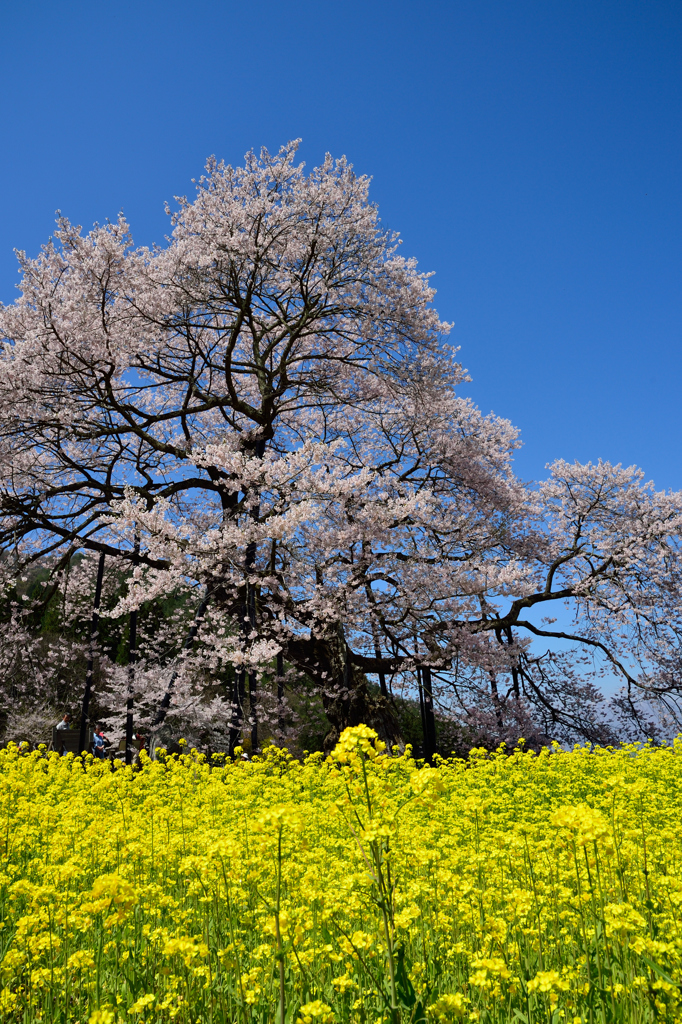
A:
(418, 1014)
(404, 987)
(659, 970)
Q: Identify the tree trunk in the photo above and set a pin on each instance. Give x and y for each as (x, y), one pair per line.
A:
(238, 694)
(163, 707)
(280, 692)
(253, 681)
(344, 689)
(429, 717)
(89, 671)
(132, 658)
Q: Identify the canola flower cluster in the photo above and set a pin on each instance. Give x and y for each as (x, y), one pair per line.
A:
(364, 887)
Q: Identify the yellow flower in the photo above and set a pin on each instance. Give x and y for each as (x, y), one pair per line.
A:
(527, 862)
(103, 1016)
(622, 920)
(81, 960)
(112, 892)
(8, 1000)
(343, 983)
(140, 1004)
(316, 1012)
(488, 971)
(548, 981)
(584, 823)
(448, 1007)
(358, 740)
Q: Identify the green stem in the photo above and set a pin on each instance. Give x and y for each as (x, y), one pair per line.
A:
(278, 933)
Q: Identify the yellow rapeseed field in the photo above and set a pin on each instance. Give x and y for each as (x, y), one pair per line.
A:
(364, 887)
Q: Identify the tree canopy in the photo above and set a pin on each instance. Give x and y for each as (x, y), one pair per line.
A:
(261, 423)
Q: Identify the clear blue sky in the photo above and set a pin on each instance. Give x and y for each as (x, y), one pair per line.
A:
(529, 151)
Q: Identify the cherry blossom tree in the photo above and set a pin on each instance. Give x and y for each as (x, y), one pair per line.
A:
(263, 418)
